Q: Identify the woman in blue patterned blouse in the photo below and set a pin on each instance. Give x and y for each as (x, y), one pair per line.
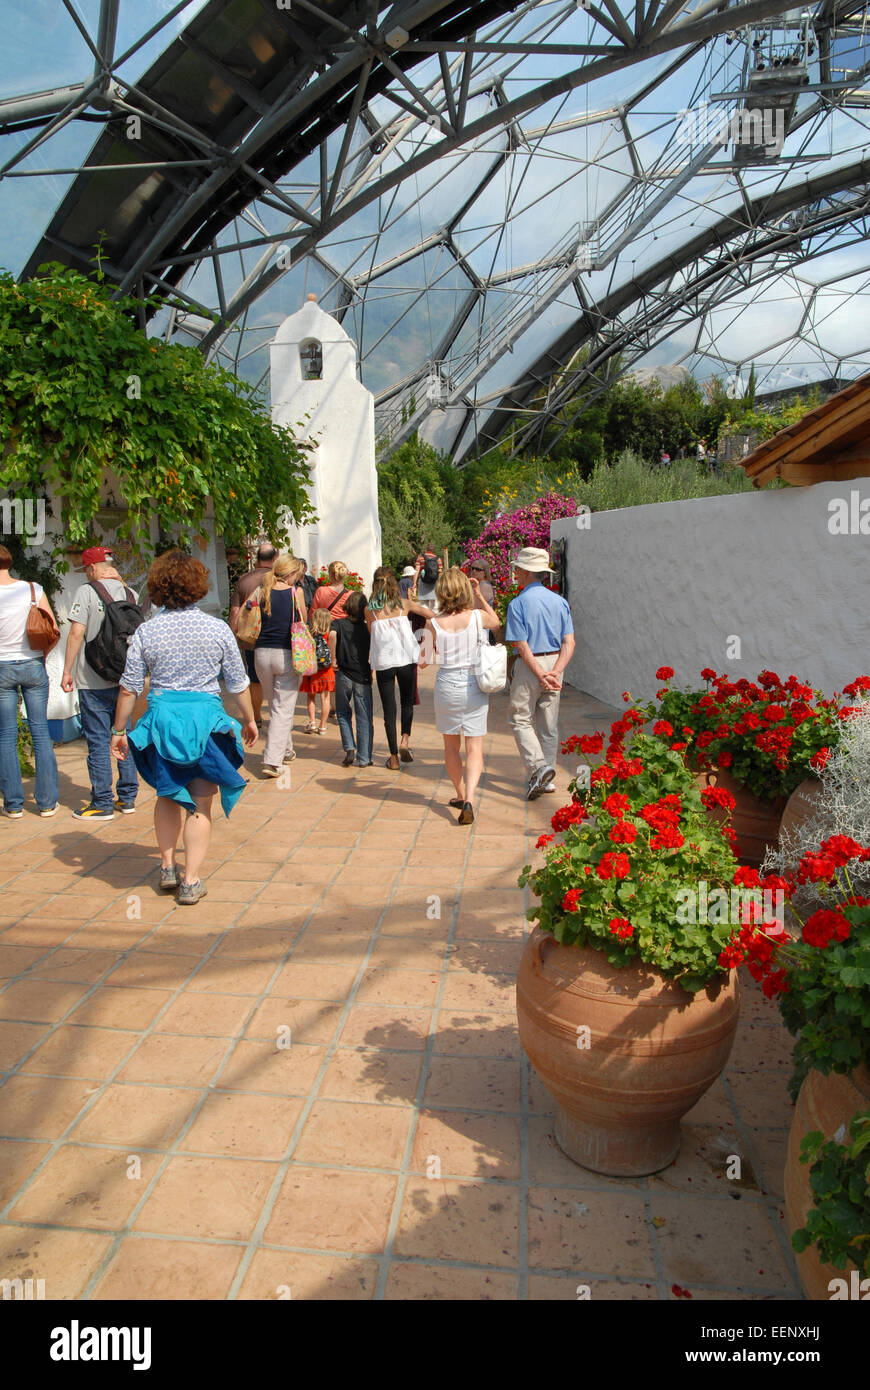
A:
(185, 746)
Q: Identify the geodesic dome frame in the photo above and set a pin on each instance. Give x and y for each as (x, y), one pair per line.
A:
(500, 201)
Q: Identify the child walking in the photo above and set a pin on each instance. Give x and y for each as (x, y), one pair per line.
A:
(349, 643)
(322, 682)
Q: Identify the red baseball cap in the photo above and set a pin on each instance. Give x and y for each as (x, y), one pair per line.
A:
(96, 555)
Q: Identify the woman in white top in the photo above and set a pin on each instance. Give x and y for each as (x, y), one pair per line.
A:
(22, 672)
(460, 705)
(393, 656)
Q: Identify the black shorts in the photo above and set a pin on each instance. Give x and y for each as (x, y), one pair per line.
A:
(250, 667)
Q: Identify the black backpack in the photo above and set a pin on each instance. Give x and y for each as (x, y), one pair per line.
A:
(107, 652)
(429, 571)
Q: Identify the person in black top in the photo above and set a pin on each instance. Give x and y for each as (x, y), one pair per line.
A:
(282, 603)
(349, 644)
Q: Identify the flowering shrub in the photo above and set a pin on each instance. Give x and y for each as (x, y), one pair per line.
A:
(823, 979)
(770, 734)
(612, 880)
(502, 537)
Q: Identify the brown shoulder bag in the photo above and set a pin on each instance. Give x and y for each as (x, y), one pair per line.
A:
(42, 631)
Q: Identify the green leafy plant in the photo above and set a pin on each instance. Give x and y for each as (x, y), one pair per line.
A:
(85, 398)
(638, 839)
(839, 1220)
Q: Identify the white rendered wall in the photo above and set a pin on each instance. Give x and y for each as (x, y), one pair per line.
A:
(338, 413)
(669, 584)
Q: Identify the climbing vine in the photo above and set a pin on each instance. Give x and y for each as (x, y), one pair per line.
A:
(85, 395)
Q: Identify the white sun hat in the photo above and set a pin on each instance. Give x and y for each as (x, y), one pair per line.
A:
(533, 561)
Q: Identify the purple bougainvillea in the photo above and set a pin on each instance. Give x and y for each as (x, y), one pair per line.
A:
(502, 537)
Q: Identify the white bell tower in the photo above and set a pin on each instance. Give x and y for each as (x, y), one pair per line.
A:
(316, 393)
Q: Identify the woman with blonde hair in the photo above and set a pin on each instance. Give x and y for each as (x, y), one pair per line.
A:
(460, 705)
(282, 603)
(333, 596)
(393, 656)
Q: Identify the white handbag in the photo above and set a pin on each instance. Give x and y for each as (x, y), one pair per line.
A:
(491, 668)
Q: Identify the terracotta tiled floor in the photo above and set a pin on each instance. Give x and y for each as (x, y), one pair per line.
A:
(159, 1138)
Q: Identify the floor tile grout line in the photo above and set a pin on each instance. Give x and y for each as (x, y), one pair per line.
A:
(138, 944)
(142, 1035)
(257, 1001)
(423, 1081)
(357, 1256)
(331, 1048)
(772, 1204)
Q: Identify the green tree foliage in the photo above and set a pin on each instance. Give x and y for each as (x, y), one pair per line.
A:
(419, 499)
(84, 394)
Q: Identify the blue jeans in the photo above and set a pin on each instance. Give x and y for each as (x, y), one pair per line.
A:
(30, 678)
(361, 693)
(97, 712)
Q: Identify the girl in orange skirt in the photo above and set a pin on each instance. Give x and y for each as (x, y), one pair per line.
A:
(322, 681)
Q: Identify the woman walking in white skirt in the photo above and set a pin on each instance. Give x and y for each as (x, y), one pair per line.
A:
(460, 705)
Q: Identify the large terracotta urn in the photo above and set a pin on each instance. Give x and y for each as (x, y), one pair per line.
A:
(624, 1052)
(754, 819)
(802, 805)
(826, 1103)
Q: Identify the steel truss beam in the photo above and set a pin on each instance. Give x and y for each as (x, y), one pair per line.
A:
(735, 243)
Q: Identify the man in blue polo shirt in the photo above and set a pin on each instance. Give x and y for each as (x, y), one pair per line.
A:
(539, 622)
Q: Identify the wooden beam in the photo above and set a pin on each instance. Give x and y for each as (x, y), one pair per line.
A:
(804, 474)
(841, 423)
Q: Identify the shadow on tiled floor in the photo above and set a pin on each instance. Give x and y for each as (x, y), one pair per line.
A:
(311, 1083)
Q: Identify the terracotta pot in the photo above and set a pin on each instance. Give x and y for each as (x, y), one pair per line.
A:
(825, 1103)
(755, 820)
(802, 805)
(650, 1053)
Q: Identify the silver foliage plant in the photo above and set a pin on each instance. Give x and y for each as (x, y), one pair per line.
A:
(842, 808)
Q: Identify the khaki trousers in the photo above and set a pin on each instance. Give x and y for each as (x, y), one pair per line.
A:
(534, 716)
(280, 684)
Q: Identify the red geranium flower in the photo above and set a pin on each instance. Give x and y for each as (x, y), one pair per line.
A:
(624, 833)
(718, 796)
(616, 804)
(665, 673)
(571, 899)
(613, 865)
(661, 726)
(591, 743)
(824, 926)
